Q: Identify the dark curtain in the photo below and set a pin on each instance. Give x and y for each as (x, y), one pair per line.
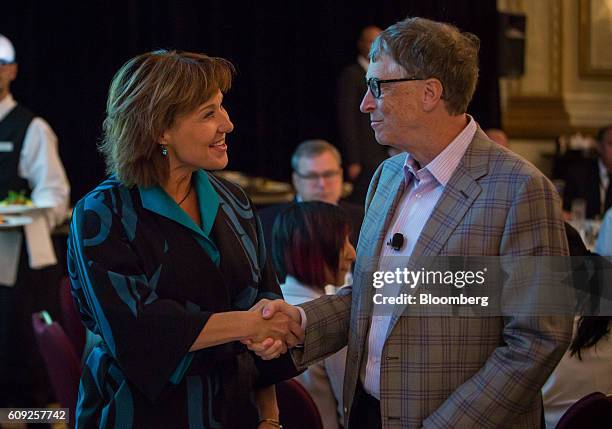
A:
(288, 55)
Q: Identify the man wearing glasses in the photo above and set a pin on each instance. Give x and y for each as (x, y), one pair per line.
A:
(317, 176)
(451, 192)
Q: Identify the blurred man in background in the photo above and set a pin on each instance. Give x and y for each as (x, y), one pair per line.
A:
(29, 274)
(363, 153)
(498, 136)
(590, 179)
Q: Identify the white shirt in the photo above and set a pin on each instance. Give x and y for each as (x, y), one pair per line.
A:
(422, 190)
(324, 380)
(40, 165)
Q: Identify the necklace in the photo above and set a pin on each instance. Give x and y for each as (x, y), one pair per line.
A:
(186, 195)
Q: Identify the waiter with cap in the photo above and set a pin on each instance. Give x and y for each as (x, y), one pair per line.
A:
(29, 161)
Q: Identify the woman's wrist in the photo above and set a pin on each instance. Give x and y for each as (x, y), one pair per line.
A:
(249, 324)
(269, 422)
(267, 405)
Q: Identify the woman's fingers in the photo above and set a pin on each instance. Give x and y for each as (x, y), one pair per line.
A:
(268, 349)
(259, 347)
(274, 351)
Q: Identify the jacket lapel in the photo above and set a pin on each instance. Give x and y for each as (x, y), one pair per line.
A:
(458, 196)
(379, 214)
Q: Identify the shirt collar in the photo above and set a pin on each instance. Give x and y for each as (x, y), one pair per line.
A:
(7, 104)
(444, 165)
(154, 198)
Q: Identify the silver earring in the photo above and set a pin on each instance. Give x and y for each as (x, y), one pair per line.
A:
(164, 150)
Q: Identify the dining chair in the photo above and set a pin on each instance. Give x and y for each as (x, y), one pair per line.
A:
(61, 361)
(71, 320)
(297, 408)
(591, 412)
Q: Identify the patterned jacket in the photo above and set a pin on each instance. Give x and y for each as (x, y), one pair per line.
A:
(452, 371)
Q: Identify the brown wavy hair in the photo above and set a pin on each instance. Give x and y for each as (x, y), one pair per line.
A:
(145, 97)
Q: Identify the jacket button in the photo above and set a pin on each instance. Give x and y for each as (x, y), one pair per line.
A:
(345, 410)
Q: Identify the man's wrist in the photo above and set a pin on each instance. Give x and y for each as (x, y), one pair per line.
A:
(303, 317)
(302, 325)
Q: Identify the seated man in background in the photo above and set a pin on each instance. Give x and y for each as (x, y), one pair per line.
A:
(590, 180)
(317, 176)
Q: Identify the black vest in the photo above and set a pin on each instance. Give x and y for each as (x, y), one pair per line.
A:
(12, 131)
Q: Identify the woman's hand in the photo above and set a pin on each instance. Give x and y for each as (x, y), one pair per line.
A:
(269, 347)
(278, 327)
(251, 327)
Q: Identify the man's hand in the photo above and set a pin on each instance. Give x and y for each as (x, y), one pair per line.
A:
(272, 347)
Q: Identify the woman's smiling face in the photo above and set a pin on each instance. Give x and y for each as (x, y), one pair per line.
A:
(196, 140)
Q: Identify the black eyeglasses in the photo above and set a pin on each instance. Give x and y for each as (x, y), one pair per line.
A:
(373, 84)
(326, 175)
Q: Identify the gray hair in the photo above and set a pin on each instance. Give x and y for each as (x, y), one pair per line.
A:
(429, 49)
(312, 148)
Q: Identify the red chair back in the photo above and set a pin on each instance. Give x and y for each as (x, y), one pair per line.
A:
(593, 411)
(297, 409)
(62, 364)
(71, 319)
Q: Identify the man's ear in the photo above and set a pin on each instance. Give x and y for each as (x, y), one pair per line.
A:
(432, 94)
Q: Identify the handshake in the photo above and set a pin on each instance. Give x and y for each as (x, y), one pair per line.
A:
(277, 328)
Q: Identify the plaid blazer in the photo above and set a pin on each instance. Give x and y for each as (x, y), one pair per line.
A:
(452, 371)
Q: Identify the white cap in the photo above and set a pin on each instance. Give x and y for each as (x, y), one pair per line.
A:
(7, 52)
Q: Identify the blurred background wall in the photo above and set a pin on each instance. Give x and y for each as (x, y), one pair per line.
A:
(562, 91)
(288, 55)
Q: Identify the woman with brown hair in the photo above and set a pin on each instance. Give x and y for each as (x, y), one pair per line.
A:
(165, 259)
